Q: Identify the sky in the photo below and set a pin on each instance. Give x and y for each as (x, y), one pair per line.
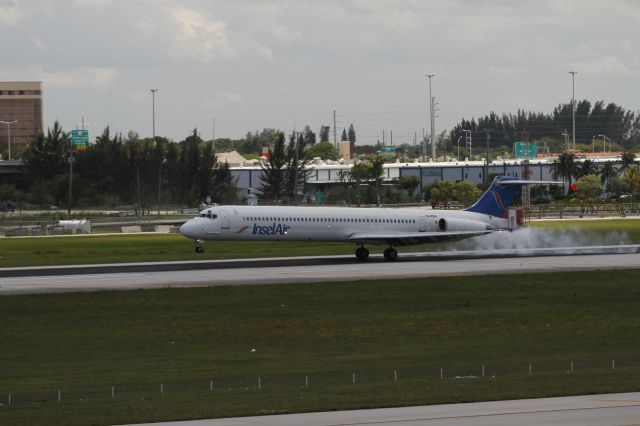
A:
(280, 63)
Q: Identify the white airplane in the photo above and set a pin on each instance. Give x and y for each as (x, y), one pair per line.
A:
(388, 226)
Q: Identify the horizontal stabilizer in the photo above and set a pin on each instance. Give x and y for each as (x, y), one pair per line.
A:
(521, 182)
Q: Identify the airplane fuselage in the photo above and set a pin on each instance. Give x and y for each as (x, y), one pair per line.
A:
(277, 223)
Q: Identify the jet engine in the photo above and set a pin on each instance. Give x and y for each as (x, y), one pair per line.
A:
(452, 225)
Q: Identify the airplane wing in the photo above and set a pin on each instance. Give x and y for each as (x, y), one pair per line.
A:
(410, 238)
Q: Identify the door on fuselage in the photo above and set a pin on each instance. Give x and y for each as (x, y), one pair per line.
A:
(224, 215)
(423, 224)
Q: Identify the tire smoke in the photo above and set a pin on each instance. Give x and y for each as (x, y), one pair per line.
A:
(529, 238)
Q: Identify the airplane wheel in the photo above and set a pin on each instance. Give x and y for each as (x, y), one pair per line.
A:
(362, 253)
(390, 254)
(199, 249)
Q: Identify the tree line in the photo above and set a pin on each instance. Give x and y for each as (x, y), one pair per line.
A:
(620, 125)
(121, 170)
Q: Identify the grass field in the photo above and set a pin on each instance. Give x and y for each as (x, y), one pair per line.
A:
(159, 247)
(85, 343)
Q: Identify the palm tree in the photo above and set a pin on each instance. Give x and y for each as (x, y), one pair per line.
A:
(564, 167)
(587, 167)
(273, 169)
(632, 178)
(628, 159)
(608, 171)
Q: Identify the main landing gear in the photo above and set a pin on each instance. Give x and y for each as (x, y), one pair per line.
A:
(199, 246)
(390, 254)
(362, 253)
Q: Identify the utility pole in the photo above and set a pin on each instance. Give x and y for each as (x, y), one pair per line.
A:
(70, 176)
(486, 160)
(213, 133)
(573, 105)
(335, 136)
(431, 116)
(468, 141)
(9, 123)
(153, 130)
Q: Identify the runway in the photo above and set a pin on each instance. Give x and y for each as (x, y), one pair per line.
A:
(607, 410)
(312, 269)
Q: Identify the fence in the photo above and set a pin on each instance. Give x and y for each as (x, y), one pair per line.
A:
(328, 380)
(542, 211)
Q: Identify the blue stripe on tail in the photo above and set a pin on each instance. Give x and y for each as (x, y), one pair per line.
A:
(497, 199)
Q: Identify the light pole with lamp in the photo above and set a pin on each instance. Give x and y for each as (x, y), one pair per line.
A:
(604, 143)
(9, 123)
(566, 140)
(458, 156)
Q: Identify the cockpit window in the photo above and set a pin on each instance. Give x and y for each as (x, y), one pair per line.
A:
(208, 215)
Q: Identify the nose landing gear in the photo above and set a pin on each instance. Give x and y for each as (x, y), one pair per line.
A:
(199, 246)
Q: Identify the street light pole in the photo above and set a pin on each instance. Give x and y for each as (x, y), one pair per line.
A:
(573, 105)
(153, 130)
(604, 143)
(9, 123)
(458, 156)
(566, 140)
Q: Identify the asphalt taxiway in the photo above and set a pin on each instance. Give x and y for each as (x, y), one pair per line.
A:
(605, 410)
(312, 269)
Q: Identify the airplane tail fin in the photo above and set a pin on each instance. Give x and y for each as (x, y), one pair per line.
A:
(497, 199)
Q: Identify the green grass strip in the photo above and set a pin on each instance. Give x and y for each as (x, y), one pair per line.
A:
(85, 343)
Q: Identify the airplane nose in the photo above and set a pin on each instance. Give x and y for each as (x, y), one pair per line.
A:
(187, 229)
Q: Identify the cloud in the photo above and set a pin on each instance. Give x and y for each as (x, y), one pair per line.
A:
(85, 78)
(138, 96)
(285, 34)
(223, 99)
(399, 19)
(100, 3)
(10, 13)
(38, 44)
(608, 65)
(198, 38)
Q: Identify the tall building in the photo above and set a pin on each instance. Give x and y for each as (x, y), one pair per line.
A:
(21, 105)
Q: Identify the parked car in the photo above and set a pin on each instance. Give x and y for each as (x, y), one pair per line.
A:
(7, 207)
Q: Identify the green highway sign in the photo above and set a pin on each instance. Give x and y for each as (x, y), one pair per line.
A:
(80, 139)
(387, 150)
(526, 149)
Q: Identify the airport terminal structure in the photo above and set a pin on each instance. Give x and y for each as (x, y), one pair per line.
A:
(324, 175)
